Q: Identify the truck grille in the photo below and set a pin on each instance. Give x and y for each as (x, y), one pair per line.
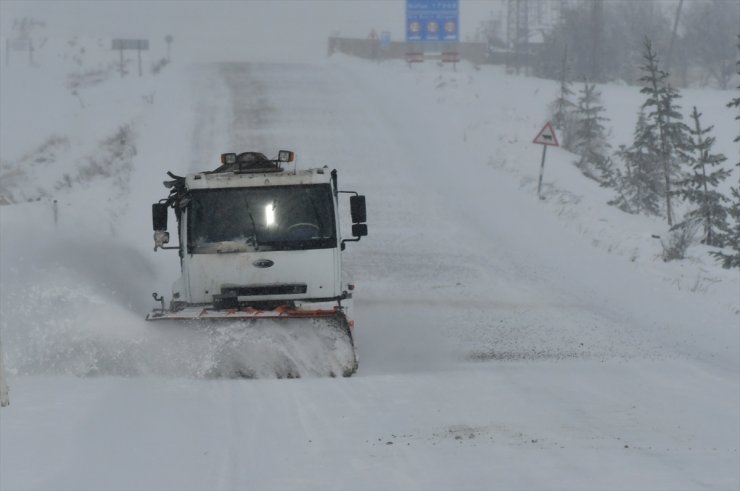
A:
(245, 291)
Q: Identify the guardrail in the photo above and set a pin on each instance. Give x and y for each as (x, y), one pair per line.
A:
(374, 49)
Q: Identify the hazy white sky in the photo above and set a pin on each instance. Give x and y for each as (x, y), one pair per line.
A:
(228, 30)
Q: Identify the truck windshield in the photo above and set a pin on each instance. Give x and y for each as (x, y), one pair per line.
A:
(261, 218)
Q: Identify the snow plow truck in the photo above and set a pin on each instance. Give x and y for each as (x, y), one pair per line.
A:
(260, 250)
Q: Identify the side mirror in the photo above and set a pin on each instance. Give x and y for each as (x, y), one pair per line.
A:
(159, 216)
(359, 229)
(357, 209)
(160, 239)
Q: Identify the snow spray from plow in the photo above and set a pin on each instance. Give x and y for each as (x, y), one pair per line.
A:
(253, 346)
(79, 332)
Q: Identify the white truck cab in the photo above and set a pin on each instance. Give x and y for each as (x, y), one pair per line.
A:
(252, 234)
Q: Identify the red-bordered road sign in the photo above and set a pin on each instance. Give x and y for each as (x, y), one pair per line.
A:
(546, 136)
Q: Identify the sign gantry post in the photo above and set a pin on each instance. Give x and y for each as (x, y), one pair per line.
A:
(130, 44)
(546, 137)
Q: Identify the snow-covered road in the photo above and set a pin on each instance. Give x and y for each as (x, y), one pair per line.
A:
(499, 349)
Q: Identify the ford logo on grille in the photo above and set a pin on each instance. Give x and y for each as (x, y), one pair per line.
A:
(263, 263)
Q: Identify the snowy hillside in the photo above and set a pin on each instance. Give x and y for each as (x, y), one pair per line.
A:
(505, 342)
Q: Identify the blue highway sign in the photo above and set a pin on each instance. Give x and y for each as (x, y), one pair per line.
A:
(432, 20)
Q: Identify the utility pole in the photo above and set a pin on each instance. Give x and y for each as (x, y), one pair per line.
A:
(522, 34)
(673, 37)
(517, 32)
(597, 28)
(168, 39)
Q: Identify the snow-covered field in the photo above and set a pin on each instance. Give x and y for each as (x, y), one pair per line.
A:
(505, 342)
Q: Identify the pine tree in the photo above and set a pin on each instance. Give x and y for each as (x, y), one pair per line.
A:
(562, 108)
(663, 121)
(735, 102)
(638, 187)
(699, 188)
(733, 235)
(618, 181)
(590, 137)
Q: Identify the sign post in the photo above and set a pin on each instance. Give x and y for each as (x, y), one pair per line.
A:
(385, 40)
(137, 44)
(546, 137)
(4, 399)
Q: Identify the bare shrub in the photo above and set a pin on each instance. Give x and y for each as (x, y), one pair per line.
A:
(88, 78)
(114, 156)
(158, 65)
(679, 239)
(17, 177)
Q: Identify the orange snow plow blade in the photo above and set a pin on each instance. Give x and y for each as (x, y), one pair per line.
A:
(205, 313)
(283, 343)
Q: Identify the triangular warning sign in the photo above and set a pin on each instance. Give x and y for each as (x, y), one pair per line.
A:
(547, 136)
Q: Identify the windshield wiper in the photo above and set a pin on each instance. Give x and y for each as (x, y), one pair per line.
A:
(319, 222)
(255, 237)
